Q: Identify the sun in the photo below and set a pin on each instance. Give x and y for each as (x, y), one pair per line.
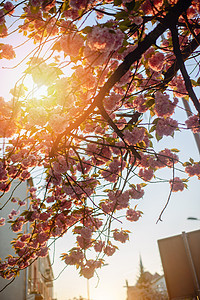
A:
(34, 90)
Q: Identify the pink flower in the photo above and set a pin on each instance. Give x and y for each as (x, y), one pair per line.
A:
(12, 261)
(114, 169)
(176, 184)
(42, 237)
(135, 136)
(156, 61)
(139, 104)
(25, 175)
(43, 252)
(2, 18)
(120, 236)
(151, 6)
(136, 193)
(17, 226)
(193, 123)
(166, 126)
(86, 77)
(98, 246)
(19, 244)
(86, 233)
(104, 39)
(109, 250)
(166, 158)
(163, 106)
(83, 243)
(75, 257)
(2, 221)
(7, 51)
(193, 170)
(146, 174)
(9, 7)
(78, 4)
(133, 215)
(71, 44)
(87, 272)
(25, 237)
(119, 200)
(178, 85)
(138, 20)
(112, 102)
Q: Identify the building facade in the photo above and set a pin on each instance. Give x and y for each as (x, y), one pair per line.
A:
(35, 282)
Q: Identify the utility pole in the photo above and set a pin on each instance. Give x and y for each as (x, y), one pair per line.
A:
(189, 113)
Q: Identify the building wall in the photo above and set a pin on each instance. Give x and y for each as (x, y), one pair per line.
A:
(17, 289)
(30, 280)
(40, 278)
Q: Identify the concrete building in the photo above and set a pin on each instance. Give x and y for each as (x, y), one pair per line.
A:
(35, 282)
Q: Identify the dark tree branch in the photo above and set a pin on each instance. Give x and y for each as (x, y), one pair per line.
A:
(116, 129)
(186, 52)
(181, 65)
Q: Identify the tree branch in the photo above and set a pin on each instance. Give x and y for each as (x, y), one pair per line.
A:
(186, 52)
(181, 65)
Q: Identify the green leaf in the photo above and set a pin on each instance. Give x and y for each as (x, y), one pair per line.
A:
(150, 103)
(195, 83)
(158, 137)
(186, 164)
(121, 15)
(184, 180)
(155, 121)
(191, 160)
(175, 150)
(56, 47)
(117, 2)
(87, 29)
(153, 128)
(130, 6)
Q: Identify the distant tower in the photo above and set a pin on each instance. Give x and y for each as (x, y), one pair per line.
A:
(141, 267)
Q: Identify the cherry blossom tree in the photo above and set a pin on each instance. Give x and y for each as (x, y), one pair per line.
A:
(106, 67)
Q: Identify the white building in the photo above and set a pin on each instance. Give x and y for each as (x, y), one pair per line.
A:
(35, 282)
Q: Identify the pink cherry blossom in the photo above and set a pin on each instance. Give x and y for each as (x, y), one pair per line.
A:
(193, 170)
(146, 174)
(163, 106)
(176, 184)
(134, 136)
(120, 236)
(2, 221)
(104, 39)
(71, 44)
(166, 126)
(136, 192)
(193, 123)
(133, 215)
(156, 61)
(9, 7)
(7, 51)
(98, 246)
(109, 250)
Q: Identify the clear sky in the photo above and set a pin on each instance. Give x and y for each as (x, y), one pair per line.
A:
(124, 265)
